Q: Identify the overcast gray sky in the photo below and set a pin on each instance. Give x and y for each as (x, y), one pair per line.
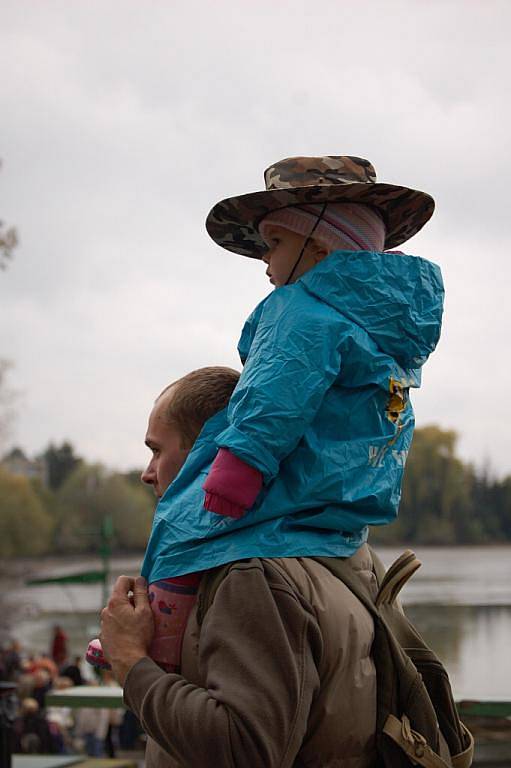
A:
(121, 124)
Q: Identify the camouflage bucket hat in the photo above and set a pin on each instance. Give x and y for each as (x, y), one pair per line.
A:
(233, 223)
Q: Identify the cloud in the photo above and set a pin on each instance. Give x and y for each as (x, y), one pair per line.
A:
(124, 122)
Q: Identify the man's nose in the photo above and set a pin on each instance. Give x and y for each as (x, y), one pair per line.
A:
(147, 475)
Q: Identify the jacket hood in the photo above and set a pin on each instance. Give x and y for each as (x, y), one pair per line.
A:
(396, 298)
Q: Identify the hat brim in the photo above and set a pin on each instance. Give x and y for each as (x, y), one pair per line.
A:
(233, 223)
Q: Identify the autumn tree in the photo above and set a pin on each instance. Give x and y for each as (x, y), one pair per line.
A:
(436, 490)
(25, 526)
(437, 503)
(87, 496)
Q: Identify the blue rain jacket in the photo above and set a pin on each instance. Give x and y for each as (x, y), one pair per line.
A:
(321, 409)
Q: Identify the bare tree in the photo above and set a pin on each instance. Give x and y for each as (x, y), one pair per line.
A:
(8, 242)
(7, 400)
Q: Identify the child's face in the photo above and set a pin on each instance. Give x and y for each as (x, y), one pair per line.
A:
(284, 248)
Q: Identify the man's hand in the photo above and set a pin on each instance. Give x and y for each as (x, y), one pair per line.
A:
(127, 625)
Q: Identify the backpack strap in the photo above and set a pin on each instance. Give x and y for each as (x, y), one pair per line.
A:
(396, 577)
(412, 743)
(418, 750)
(464, 759)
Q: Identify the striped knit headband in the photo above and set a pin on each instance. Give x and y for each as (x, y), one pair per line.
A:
(343, 226)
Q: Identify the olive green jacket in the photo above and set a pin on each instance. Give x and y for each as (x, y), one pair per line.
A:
(278, 674)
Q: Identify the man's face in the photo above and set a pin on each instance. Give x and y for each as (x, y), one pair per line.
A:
(164, 441)
(284, 248)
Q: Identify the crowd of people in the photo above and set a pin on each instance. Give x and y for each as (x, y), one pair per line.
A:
(42, 729)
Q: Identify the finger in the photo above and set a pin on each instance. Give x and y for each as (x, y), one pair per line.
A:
(103, 651)
(140, 591)
(123, 586)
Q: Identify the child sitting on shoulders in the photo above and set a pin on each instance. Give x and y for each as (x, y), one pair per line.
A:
(312, 447)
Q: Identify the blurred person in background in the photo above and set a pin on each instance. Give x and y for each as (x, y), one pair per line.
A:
(59, 646)
(91, 728)
(42, 684)
(10, 661)
(32, 732)
(73, 670)
(42, 662)
(60, 719)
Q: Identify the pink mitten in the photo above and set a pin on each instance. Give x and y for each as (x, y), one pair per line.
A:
(232, 486)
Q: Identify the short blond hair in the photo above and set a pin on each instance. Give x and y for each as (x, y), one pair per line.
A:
(196, 397)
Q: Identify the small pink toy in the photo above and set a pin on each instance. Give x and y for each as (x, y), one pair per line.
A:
(95, 656)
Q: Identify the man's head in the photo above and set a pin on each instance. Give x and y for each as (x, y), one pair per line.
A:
(178, 415)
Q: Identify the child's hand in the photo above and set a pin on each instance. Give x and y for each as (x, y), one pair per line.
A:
(232, 486)
(220, 506)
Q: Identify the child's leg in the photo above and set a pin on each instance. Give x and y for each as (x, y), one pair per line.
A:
(171, 602)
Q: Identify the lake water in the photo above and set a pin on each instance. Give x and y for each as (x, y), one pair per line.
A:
(460, 600)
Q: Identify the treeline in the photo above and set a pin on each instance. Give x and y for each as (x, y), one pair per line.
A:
(62, 510)
(444, 501)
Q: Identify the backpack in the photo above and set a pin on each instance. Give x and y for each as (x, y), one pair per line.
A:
(416, 721)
